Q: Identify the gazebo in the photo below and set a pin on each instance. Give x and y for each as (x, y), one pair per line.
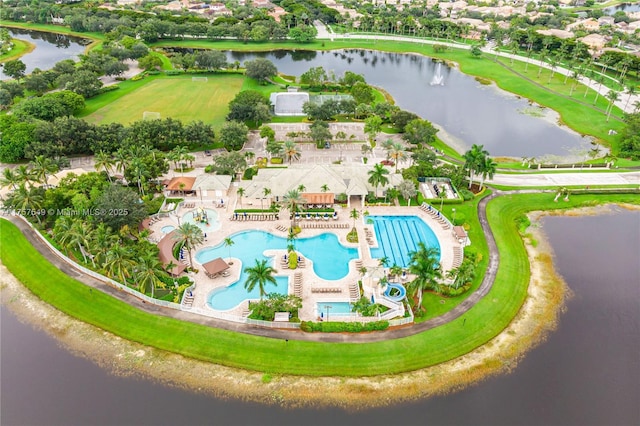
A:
(214, 267)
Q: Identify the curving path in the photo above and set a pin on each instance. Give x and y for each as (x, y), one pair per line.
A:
(395, 333)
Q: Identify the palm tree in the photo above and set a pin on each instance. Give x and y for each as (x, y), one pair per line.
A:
(260, 274)
(9, 178)
(266, 192)
(104, 161)
(397, 152)
(26, 200)
(424, 264)
(462, 274)
(41, 166)
(613, 96)
(543, 55)
(121, 159)
(378, 177)
(487, 169)
(291, 151)
(190, 235)
(301, 188)
(24, 175)
(228, 242)
(240, 193)
(79, 235)
(146, 274)
(631, 90)
(102, 240)
(118, 263)
(408, 190)
(473, 159)
(354, 214)
(324, 188)
(139, 170)
(291, 200)
(249, 156)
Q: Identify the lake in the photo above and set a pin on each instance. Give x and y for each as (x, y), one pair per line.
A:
(586, 373)
(471, 113)
(50, 48)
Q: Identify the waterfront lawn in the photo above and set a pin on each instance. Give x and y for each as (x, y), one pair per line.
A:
(178, 97)
(20, 47)
(483, 322)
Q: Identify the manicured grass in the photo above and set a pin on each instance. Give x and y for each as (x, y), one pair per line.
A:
(178, 97)
(484, 321)
(20, 47)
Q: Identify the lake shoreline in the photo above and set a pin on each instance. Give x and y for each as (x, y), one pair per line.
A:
(538, 317)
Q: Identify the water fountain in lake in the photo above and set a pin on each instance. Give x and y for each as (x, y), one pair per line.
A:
(438, 79)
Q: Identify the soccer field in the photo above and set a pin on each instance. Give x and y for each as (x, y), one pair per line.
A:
(176, 97)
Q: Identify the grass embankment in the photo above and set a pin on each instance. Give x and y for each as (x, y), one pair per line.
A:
(476, 327)
(177, 97)
(20, 48)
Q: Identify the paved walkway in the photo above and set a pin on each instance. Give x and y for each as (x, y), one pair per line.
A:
(561, 178)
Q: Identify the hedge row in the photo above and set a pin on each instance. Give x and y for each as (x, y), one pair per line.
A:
(338, 327)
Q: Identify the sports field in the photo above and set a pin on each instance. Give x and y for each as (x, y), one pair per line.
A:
(176, 97)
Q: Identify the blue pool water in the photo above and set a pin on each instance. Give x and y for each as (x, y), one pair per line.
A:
(168, 228)
(398, 236)
(330, 261)
(212, 223)
(402, 292)
(336, 308)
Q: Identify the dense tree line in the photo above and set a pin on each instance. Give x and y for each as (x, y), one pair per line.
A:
(26, 136)
(247, 23)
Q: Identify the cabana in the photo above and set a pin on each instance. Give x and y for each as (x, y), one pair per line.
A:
(181, 186)
(461, 235)
(215, 267)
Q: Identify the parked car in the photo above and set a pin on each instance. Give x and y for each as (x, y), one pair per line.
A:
(327, 145)
(207, 153)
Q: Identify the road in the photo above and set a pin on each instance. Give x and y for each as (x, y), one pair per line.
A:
(566, 179)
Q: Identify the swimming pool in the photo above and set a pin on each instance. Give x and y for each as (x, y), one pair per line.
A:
(168, 228)
(225, 298)
(333, 308)
(330, 260)
(206, 219)
(398, 236)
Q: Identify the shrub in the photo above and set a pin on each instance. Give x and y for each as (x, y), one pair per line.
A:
(277, 160)
(466, 194)
(249, 173)
(340, 327)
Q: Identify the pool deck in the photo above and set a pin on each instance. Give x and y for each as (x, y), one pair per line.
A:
(313, 289)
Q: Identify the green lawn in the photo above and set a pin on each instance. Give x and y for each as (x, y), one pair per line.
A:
(20, 47)
(178, 97)
(490, 316)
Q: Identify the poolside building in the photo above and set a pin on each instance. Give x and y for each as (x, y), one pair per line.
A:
(321, 183)
(204, 185)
